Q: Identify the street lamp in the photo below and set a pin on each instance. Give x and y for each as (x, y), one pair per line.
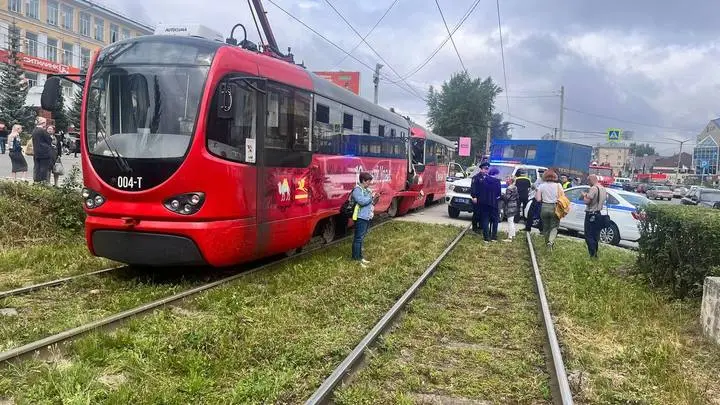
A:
(677, 169)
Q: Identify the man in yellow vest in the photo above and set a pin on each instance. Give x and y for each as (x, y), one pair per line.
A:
(565, 182)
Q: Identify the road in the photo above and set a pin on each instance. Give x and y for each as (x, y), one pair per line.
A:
(6, 167)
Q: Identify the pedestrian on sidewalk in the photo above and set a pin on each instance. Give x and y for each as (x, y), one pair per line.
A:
(547, 193)
(595, 199)
(3, 137)
(19, 164)
(365, 201)
(475, 190)
(42, 151)
(511, 206)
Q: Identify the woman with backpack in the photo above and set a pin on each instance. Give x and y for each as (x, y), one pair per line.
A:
(19, 164)
(364, 201)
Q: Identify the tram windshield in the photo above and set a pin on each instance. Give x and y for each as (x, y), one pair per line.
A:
(143, 99)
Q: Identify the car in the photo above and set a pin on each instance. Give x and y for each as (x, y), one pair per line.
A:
(659, 193)
(704, 197)
(625, 209)
(458, 197)
(679, 192)
(641, 188)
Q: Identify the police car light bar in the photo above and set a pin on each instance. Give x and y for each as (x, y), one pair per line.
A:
(189, 30)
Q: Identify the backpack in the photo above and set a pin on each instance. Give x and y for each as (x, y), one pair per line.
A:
(562, 208)
(348, 207)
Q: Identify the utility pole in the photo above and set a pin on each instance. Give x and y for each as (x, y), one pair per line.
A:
(562, 109)
(487, 137)
(376, 80)
(677, 169)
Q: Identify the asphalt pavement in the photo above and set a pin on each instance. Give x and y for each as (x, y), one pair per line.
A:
(68, 162)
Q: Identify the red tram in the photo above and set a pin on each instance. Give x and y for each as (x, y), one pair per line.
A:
(198, 152)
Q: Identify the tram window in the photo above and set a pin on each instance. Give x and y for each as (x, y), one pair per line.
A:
(364, 149)
(366, 126)
(381, 130)
(418, 152)
(288, 119)
(348, 121)
(376, 148)
(227, 137)
(322, 113)
(392, 132)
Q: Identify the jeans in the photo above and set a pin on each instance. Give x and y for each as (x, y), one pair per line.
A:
(489, 218)
(361, 228)
(3, 142)
(550, 222)
(592, 228)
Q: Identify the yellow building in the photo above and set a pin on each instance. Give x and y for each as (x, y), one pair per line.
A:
(59, 36)
(615, 155)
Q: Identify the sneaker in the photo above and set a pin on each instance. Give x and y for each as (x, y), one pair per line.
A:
(365, 262)
(507, 240)
(363, 265)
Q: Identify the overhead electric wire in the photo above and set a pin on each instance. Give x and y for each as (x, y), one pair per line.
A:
(437, 3)
(502, 54)
(372, 49)
(337, 46)
(368, 33)
(432, 55)
(252, 11)
(627, 121)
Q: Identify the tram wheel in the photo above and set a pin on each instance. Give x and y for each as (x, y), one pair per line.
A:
(393, 210)
(328, 230)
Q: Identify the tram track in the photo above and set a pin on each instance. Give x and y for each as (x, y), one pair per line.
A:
(354, 361)
(42, 347)
(56, 282)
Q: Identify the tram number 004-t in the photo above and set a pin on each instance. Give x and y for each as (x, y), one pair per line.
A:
(129, 182)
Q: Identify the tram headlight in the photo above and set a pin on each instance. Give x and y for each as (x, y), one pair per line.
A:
(185, 204)
(92, 198)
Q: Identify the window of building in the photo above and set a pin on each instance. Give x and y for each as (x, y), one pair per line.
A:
(381, 130)
(32, 9)
(348, 121)
(85, 24)
(114, 33)
(226, 137)
(52, 13)
(366, 126)
(84, 58)
(288, 119)
(99, 33)
(66, 17)
(52, 50)
(531, 152)
(32, 43)
(392, 133)
(67, 91)
(32, 79)
(125, 34)
(67, 55)
(14, 6)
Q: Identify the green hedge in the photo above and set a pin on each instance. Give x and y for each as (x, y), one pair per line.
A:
(32, 213)
(679, 247)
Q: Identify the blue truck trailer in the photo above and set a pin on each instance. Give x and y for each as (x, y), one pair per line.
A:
(572, 159)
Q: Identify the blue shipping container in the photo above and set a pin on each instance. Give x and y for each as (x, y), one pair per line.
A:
(567, 157)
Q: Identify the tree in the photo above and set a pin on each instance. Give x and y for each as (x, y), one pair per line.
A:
(14, 86)
(75, 110)
(462, 107)
(641, 149)
(498, 128)
(59, 114)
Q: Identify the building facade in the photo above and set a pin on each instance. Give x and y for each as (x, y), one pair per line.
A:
(60, 37)
(616, 156)
(705, 153)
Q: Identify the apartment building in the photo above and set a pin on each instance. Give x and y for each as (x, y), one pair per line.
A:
(60, 36)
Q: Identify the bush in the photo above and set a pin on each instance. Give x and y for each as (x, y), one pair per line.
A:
(30, 213)
(679, 247)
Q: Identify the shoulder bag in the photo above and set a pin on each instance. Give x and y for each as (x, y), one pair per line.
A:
(562, 208)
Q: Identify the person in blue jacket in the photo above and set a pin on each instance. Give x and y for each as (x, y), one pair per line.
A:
(365, 200)
(475, 189)
(488, 193)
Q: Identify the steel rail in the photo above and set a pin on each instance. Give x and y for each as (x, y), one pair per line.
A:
(67, 336)
(34, 287)
(558, 365)
(322, 394)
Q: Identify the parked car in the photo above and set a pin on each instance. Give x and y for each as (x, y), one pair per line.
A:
(630, 186)
(624, 208)
(680, 192)
(659, 193)
(704, 197)
(641, 188)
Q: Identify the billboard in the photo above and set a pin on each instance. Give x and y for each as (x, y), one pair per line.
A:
(38, 65)
(464, 146)
(347, 80)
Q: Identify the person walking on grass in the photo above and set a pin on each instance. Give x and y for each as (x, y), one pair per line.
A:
(547, 193)
(511, 206)
(364, 200)
(485, 193)
(595, 199)
(476, 188)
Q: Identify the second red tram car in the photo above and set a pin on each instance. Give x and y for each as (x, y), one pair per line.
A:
(197, 152)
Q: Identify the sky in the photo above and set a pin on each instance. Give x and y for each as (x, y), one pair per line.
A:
(647, 66)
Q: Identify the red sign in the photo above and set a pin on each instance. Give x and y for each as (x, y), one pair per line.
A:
(347, 80)
(38, 65)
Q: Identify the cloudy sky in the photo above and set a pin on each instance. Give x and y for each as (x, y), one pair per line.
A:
(649, 66)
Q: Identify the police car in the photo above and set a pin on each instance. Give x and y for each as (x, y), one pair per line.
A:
(458, 196)
(624, 208)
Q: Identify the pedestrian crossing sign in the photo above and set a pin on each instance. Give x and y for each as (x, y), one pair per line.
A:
(614, 134)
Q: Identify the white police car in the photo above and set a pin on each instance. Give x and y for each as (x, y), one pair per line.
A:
(623, 207)
(458, 192)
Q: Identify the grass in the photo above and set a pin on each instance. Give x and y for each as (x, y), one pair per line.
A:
(20, 266)
(624, 342)
(271, 337)
(471, 333)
